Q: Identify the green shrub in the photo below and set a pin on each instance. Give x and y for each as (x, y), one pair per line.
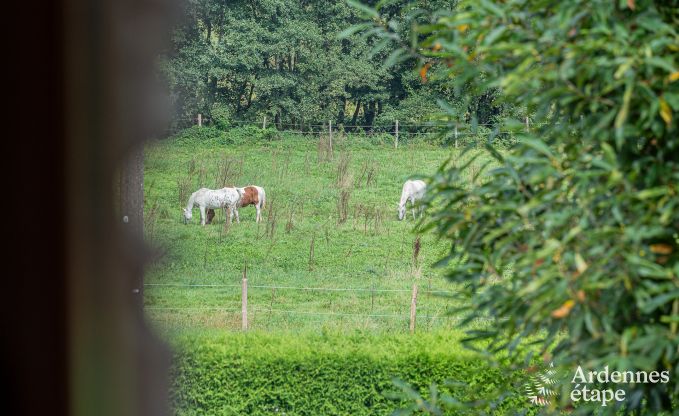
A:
(586, 206)
(261, 374)
(220, 116)
(207, 134)
(250, 134)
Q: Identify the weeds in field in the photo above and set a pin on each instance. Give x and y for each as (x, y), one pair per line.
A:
(324, 149)
(283, 172)
(372, 216)
(228, 171)
(289, 225)
(184, 189)
(368, 175)
(271, 220)
(274, 159)
(343, 175)
(191, 168)
(416, 251)
(343, 197)
(202, 175)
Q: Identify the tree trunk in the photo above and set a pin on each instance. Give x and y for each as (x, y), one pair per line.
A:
(369, 117)
(355, 116)
(342, 110)
(252, 90)
(241, 92)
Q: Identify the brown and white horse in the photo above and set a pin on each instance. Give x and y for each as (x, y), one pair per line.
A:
(251, 195)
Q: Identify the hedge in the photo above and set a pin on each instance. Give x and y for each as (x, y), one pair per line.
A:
(293, 374)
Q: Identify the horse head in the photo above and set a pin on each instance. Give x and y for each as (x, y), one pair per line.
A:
(401, 212)
(187, 215)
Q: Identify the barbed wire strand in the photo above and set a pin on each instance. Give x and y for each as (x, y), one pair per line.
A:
(314, 313)
(328, 289)
(401, 124)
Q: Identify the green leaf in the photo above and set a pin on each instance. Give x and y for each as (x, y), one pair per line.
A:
(660, 300)
(652, 192)
(537, 145)
(351, 30)
(363, 8)
(624, 110)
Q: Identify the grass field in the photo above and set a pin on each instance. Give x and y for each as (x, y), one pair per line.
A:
(371, 249)
(308, 351)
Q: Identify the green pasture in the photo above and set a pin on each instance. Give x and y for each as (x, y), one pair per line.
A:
(370, 250)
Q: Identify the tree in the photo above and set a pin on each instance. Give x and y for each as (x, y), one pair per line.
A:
(283, 59)
(584, 209)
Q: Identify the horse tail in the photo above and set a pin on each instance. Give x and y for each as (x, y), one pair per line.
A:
(262, 197)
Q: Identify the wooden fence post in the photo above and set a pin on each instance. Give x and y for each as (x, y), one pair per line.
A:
(396, 138)
(244, 299)
(264, 124)
(330, 134)
(200, 120)
(456, 135)
(413, 309)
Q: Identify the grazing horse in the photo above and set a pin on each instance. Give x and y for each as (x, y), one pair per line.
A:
(412, 191)
(206, 199)
(252, 195)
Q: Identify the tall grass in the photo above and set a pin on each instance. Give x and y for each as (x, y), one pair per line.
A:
(328, 223)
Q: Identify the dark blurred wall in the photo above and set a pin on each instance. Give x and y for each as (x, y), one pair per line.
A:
(83, 97)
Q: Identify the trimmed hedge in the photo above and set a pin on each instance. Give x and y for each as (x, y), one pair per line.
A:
(293, 374)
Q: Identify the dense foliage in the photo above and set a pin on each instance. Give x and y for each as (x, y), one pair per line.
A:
(258, 374)
(284, 59)
(585, 209)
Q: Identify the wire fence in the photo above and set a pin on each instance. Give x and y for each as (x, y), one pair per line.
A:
(304, 288)
(423, 129)
(246, 307)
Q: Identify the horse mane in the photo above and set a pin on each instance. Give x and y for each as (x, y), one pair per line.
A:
(192, 200)
(404, 195)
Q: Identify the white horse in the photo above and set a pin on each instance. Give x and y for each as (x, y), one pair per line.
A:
(412, 191)
(226, 198)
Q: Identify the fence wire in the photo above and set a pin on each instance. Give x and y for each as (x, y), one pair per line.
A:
(269, 310)
(303, 288)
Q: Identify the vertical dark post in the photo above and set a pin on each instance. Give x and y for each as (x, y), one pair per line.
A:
(396, 137)
(116, 365)
(132, 206)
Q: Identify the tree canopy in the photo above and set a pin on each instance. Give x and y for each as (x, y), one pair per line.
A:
(294, 62)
